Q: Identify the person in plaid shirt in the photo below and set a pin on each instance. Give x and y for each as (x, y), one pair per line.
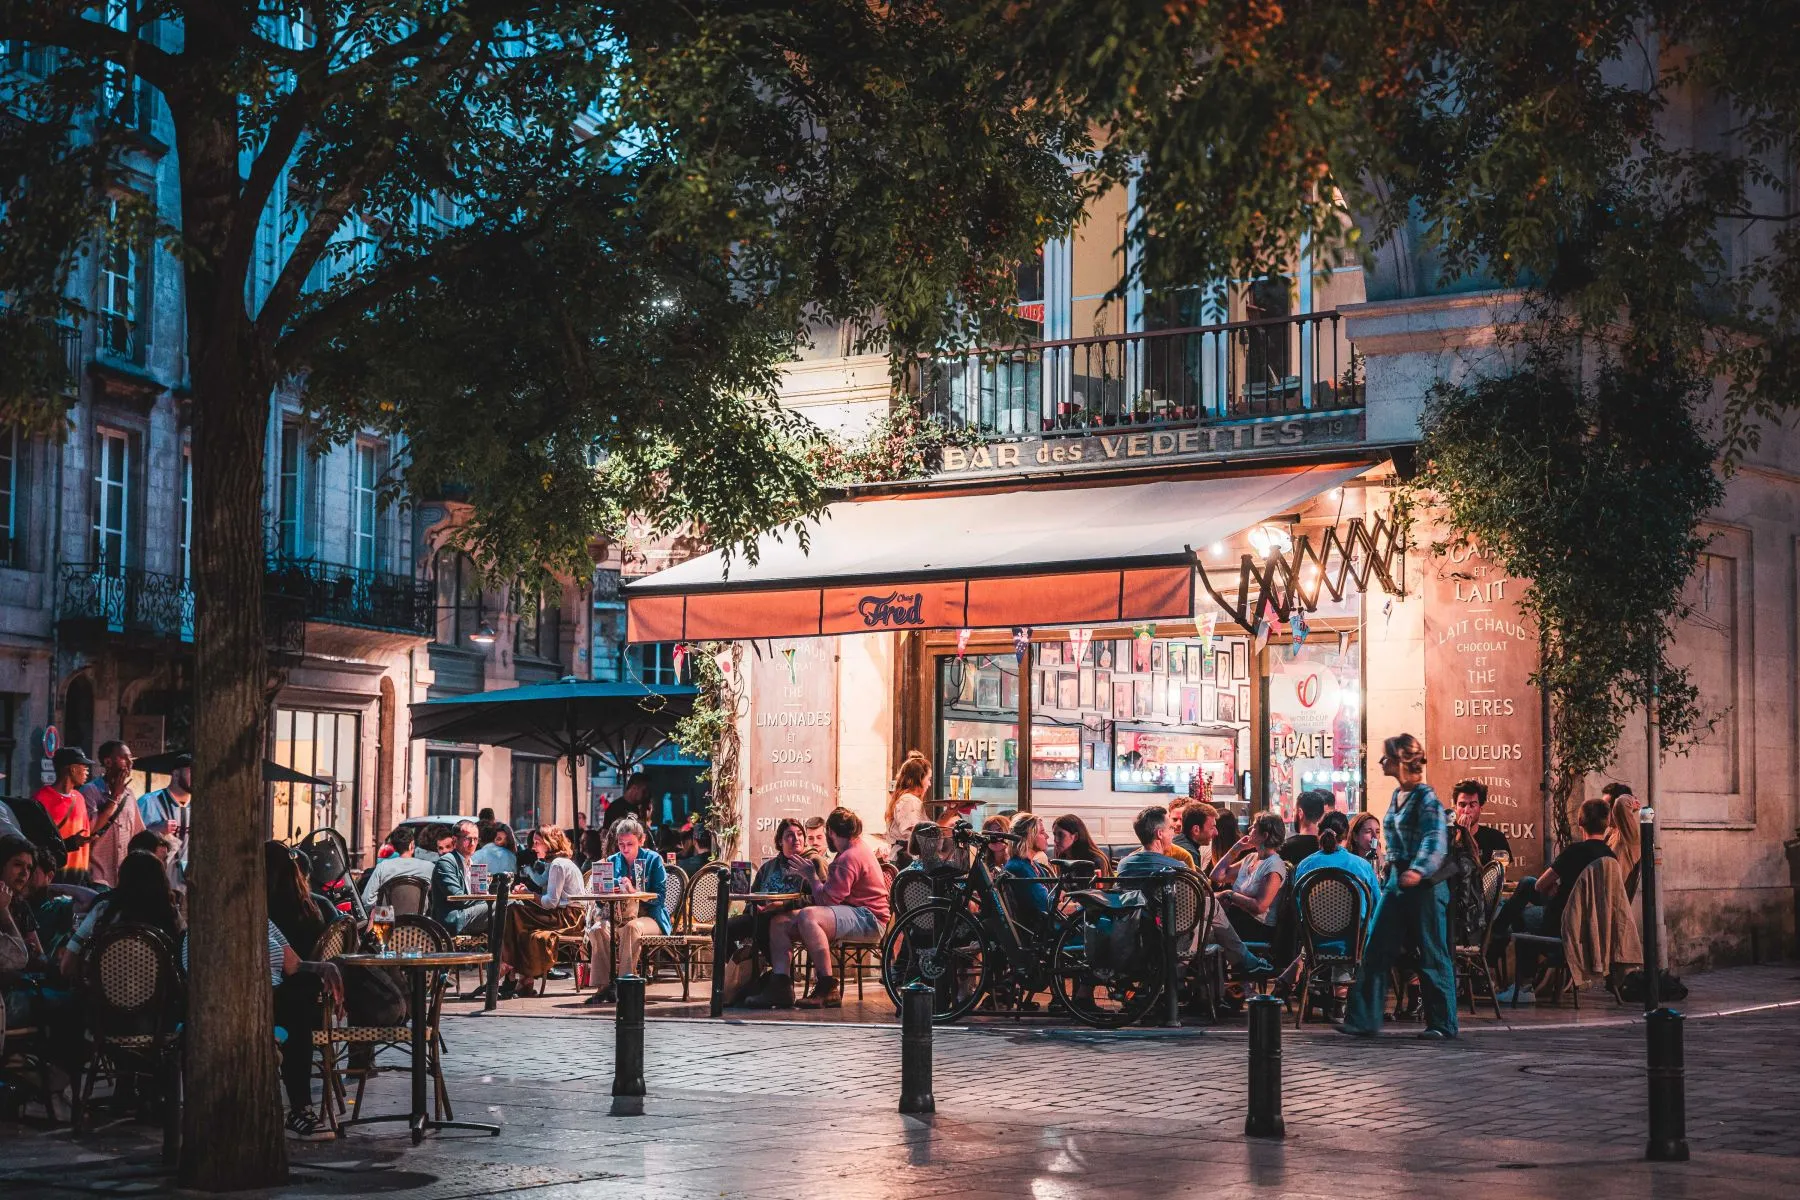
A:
(1414, 907)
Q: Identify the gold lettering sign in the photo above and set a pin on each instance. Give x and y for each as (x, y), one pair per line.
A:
(1242, 439)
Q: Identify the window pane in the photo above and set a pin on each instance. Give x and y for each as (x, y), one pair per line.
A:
(978, 730)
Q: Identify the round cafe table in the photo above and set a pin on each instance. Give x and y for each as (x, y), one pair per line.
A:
(417, 968)
(614, 899)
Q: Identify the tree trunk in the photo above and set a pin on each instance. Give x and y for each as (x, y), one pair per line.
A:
(232, 1135)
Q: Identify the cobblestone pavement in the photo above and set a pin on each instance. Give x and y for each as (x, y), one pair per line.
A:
(765, 1110)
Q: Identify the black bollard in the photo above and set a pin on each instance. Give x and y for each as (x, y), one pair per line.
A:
(721, 946)
(915, 1050)
(502, 885)
(1171, 959)
(1662, 1026)
(628, 1049)
(1264, 1119)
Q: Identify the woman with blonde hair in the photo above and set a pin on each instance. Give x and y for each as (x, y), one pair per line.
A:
(1415, 907)
(906, 803)
(533, 923)
(1622, 836)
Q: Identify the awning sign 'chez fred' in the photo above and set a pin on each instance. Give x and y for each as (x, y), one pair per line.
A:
(1074, 556)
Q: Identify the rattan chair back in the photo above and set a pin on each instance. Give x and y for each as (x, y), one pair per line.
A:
(703, 895)
(1333, 907)
(408, 894)
(675, 891)
(414, 931)
(908, 890)
(131, 983)
(339, 938)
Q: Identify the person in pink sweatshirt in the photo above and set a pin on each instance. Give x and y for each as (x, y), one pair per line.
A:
(849, 903)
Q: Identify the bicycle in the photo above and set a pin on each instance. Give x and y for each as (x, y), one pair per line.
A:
(967, 945)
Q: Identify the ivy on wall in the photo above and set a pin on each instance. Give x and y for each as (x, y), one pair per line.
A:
(710, 731)
(1592, 487)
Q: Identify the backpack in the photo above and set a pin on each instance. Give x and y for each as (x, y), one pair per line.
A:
(1113, 939)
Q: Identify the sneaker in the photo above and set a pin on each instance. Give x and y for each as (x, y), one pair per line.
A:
(303, 1126)
(1517, 995)
(1257, 968)
(777, 993)
(1433, 1035)
(825, 994)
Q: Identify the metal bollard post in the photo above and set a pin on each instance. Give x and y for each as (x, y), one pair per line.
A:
(1264, 1119)
(1662, 1026)
(721, 946)
(502, 885)
(915, 1050)
(628, 1049)
(1171, 960)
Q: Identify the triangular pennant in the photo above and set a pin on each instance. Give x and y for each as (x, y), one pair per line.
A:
(679, 657)
(962, 643)
(722, 660)
(1078, 643)
(788, 653)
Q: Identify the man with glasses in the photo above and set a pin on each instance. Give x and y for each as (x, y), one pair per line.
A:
(450, 877)
(113, 815)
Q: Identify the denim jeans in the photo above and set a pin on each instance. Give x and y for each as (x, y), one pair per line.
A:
(1414, 916)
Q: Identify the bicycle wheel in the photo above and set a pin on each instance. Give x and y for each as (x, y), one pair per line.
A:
(1105, 999)
(941, 946)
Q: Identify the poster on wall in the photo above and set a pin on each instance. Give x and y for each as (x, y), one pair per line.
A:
(1481, 712)
(793, 739)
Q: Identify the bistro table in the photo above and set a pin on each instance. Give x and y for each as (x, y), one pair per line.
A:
(721, 942)
(496, 929)
(615, 899)
(417, 967)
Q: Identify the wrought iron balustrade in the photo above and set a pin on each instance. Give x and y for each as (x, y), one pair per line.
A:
(355, 596)
(125, 601)
(1173, 377)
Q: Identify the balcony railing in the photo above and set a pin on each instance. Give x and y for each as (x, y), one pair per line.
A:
(354, 596)
(125, 602)
(1171, 377)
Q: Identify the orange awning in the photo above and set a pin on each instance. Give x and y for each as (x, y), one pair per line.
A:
(1067, 556)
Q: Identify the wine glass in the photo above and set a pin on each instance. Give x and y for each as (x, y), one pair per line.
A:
(381, 920)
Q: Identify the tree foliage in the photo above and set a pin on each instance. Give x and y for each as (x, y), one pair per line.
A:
(1592, 490)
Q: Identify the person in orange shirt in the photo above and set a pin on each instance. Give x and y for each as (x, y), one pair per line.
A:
(66, 806)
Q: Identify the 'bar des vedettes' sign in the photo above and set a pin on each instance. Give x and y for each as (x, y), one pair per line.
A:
(1129, 447)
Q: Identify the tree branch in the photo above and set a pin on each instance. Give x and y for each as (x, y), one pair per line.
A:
(95, 39)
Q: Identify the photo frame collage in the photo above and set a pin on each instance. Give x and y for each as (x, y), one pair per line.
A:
(1179, 681)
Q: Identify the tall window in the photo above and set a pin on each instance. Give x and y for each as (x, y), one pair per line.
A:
(453, 784)
(533, 791)
(119, 292)
(535, 628)
(187, 514)
(365, 509)
(458, 598)
(654, 664)
(111, 497)
(11, 534)
(290, 514)
(326, 745)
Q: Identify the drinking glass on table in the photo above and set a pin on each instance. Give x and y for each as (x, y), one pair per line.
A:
(381, 922)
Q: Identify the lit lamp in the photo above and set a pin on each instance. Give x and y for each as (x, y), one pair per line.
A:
(484, 635)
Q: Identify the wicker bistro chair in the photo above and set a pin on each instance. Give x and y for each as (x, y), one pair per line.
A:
(908, 889)
(1334, 908)
(1471, 961)
(408, 894)
(411, 932)
(133, 993)
(1193, 913)
(690, 935)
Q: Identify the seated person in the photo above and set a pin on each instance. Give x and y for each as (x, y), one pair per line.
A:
(1155, 833)
(51, 907)
(999, 849)
(1309, 810)
(450, 877)
(1470, 798)
(1071, 842)
(499, 854)
(23, 966)
(1537, 905)
(1256, 872)
(635, 868)
(1199, 826)
(406, 859)
(850, 903)
(534, 922)
(1334, 853)
(785, 872)
(696, 851)
(1030, 902)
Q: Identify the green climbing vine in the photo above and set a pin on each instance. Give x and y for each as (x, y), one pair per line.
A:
(710, 731)
(1593, 489)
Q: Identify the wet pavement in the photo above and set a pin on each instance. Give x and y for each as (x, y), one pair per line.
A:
(1547, 1107)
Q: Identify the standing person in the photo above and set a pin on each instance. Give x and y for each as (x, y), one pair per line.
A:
(906, 803)
(113, 816)
(1414, 908)
(166, 811)
(67, 806)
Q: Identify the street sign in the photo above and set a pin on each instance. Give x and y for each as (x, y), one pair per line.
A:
(52, 740)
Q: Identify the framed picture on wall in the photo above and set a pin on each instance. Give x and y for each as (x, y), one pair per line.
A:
(1102, 692)
(1222, 671)
(987, 690)
(1190, 706)
(1178, 658)
(1209, 704)
(1101, 760)
(1103, 655)
(1243, 699)
(1087, 687)
(1159, 657)
(1009, 690)
(1240, 660)
(1121, 701)
(1195, 660)
(1228, 707)
(1050, 653)
(1140, 655)
(1068, 690)
(1140, 697)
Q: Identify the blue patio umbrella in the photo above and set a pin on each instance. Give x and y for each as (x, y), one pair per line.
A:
(621, 724)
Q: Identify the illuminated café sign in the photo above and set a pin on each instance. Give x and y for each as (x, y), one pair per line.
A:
(1273, 435)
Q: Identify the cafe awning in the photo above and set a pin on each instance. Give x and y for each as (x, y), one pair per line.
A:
(1060, 556)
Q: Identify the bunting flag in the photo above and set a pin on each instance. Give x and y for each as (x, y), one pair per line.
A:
(1205, 626)
(1301, 629)
(722, 660)
(679, 656)
(962, 643)
(1078, 643)
(1022, 642)
(1261, 636)
(1343, 643)
(788, 654)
